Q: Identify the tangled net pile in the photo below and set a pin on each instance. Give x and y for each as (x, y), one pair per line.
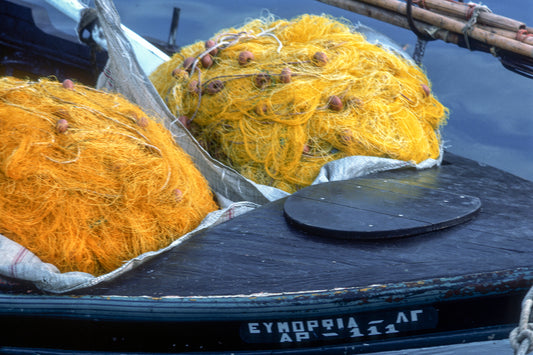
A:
(278, 99)
(88, 180)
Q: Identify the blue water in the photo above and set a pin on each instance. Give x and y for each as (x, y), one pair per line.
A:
(491, 108)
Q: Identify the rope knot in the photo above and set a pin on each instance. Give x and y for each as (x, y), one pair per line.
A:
(472, 13)
(522, 340)
(522, 35)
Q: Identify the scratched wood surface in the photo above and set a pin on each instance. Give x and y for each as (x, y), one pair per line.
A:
(261, 252)
(373, 208)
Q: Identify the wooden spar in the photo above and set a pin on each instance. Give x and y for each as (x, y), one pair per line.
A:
(505, 33)
(450, 24)
(462, 10)
(488, 21)
(392, 18)
(371, 11)
(457, 26)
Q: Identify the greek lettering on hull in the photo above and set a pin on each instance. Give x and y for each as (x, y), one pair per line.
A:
(351, 327)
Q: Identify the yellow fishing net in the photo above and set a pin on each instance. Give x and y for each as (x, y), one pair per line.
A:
(88, 180)
(278, 99)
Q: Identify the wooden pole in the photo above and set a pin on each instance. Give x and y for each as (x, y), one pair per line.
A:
(453, 25)
(462, 11)
(392, 18)
(505, 33)
(370, 11)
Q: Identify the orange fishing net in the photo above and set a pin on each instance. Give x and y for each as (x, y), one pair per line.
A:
(88, 180)
(278, 99)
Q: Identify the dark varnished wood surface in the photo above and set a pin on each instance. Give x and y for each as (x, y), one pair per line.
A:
(261, 252)
(374, 208)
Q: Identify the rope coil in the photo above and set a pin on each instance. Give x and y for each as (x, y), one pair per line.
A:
(521, 337)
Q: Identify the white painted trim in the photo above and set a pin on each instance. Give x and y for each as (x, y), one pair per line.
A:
(149, 56)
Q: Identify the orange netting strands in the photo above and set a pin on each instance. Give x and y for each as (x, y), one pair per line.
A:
(278, 99)
(88, 180)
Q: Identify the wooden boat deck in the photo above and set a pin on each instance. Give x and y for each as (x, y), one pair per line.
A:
(260, 285)
(260, 252)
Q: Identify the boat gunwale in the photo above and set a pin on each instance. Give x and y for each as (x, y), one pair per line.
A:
(270, 305)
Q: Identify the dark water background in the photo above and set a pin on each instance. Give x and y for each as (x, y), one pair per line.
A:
(491, 108)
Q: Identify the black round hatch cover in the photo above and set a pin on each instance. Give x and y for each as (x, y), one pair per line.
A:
(376, 208)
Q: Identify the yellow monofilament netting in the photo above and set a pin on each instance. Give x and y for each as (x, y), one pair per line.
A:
(280, 98)
(88, 180)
